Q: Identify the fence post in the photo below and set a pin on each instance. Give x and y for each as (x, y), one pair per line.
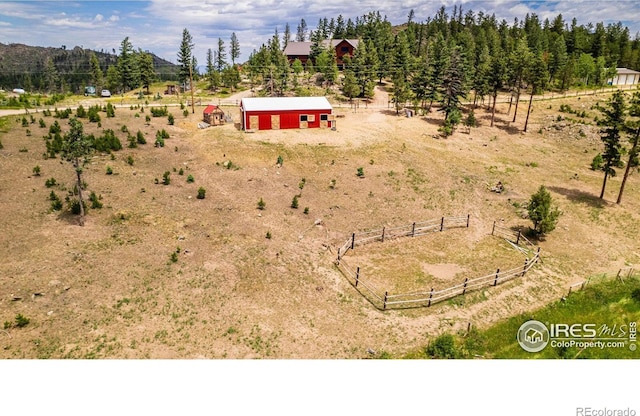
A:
(518, 239)
(526, 263)
(430, 296)
(468, 217)
(413, 229)
(357, 275)
(464, 289)
(353, 240)
(494, 228)
(495, 282)
(384, 306)
(442, 224)
(339, 254)
(383, 234)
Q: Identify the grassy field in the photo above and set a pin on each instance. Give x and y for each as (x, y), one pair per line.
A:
(609, 302)
(158, 273)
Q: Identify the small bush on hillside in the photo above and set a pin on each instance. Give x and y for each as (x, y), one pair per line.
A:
(171, 119)
(294, 202)
(201, 193)
(596, 163)
(190, 178)
(443, 346)
(50, 183)
(95, 201)
(166, 180)
(261, 204)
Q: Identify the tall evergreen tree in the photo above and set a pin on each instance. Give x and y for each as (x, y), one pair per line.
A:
(147, 71)
(51, 76)
(633, 130)
(452, 91)
(184, 57)
(235, 48)
(301, 32)
(537, 77)
(221, 56)
(96, 71)
(127, 66)
(614, 125)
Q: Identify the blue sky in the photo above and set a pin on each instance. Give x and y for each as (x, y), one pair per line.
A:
(156, 25)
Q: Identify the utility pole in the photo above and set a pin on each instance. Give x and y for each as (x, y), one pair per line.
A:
(193, 109)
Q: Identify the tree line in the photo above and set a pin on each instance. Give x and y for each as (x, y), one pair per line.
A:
(446, 57)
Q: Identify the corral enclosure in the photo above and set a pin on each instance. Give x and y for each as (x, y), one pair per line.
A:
(110, 289)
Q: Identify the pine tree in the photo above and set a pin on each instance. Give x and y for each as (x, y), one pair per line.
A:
(301, 33)
(235, 48)
(147, 72)
(542, 213)
(452, 89)
(127, 66)
(614, 118)
(96, 71)
(519, 61)
(537, 77)
(221, 56)
(76, 148)
(184, 57)
(633, 130)
(51, 76)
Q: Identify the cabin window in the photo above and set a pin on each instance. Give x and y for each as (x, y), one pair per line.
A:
(324, 117)
(344, 49)
(304, 117)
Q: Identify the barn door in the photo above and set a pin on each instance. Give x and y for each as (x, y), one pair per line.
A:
(254, 123)
(275, 121)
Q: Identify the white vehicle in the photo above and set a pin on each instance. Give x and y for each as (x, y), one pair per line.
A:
(105, 93)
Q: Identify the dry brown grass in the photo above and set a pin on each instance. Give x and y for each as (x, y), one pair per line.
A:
(109, 289)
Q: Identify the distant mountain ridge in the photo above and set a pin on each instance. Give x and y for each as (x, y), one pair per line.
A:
(24, 66)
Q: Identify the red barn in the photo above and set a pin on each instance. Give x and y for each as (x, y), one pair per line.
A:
(273, 113)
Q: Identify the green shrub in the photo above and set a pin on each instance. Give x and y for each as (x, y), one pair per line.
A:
(360, 172)
(36, 170)
(56, 203)
(74, 206)
(81, 112)
(130, 160)
(279, 161)
(95, 201)
(25, 122)
(635, 295)
(109, 170)
(306, 210)
(294, 202)
(159, 111)
(190, 178)
(170, 119)
(261, 204)
(22, 321)
(185, 112)
(140, 138)
(173, 258)
(50, 183)
(443, 347)
(268, 235)
(596, 163)
(43, 125)
(201, 193)
(111, 110)
(181, 172)
(166, 180)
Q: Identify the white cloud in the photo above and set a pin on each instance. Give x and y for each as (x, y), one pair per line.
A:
(114, 18)
(98, 18)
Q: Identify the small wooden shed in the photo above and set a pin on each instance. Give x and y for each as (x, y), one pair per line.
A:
(213, 115)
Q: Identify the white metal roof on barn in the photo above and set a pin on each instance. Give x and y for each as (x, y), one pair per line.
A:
(285, 103)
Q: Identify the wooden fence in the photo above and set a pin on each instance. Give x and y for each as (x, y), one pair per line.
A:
(624, 273)
(384, 300)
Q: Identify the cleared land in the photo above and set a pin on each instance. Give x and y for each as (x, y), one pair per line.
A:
(109, 289)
